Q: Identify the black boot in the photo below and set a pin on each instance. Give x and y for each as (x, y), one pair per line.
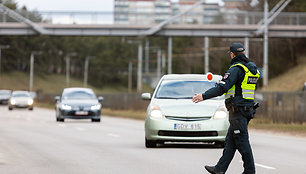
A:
(213, 170)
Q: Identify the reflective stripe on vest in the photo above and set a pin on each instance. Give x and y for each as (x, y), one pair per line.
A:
(248, 84)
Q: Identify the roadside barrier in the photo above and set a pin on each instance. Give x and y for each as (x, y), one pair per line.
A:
(279, 107)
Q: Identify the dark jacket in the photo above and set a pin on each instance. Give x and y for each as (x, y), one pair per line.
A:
(233, 76)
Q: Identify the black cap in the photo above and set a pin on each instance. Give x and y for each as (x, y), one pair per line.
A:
(236, 47)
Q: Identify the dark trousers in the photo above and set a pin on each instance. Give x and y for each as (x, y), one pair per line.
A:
(237, 138)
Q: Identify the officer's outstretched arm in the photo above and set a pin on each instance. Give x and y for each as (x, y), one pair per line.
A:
(229, 79)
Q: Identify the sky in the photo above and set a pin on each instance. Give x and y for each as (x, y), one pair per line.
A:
(70, 5)
(75, 5)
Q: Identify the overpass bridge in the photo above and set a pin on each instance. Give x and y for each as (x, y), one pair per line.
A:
(170, 30)
(203, 24)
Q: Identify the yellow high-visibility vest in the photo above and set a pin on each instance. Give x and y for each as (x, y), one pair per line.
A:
(248, 84)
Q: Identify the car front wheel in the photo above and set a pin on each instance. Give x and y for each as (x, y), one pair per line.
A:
(95, 120)
(59, 119)
(150, 143)
(220, 144)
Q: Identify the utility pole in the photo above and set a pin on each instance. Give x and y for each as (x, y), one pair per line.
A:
(130, 77)
(276, 10)
(163, 63)
(68, 68)
(265, 62)
(67, 71)
(169, 55)
(206, 49)
(2, 47)
(32, 68)
(147, 55)
(86, 69)
(246, 46)
(158, 71)
(139, 64)
(139, 70)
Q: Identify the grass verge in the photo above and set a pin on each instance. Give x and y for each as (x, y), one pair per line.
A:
(139, 115)
(54, 83)
(267, 125)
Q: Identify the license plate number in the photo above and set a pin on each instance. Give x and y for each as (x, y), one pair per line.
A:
(81, 113)
(182, 126)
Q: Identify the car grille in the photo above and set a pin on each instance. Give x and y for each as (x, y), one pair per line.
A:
(188, 133)
(187, 118)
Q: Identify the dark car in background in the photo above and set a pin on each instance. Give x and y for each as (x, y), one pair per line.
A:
(21, 99)
(5, 96)
(78, 103)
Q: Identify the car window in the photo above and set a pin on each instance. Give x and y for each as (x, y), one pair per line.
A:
(5, 93)
(179, 89)
(78, 95)
(21, 95)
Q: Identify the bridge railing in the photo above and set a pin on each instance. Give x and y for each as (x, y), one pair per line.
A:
(145, 18)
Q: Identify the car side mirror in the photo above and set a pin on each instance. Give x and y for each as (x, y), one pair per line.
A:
(146, 96)
(57, 98)
(100, 98)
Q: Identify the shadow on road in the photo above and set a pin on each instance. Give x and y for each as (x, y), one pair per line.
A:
(189, 145)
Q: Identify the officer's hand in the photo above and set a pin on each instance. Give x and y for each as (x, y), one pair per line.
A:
(197, 98)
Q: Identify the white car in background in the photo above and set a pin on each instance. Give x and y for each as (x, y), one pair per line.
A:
(5, 96)
(173, 117)
(21, 99)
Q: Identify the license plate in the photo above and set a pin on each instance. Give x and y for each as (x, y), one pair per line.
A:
(183, 126)
(81, 113)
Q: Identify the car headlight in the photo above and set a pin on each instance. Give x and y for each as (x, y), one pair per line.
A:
(96, 107)
(13, 102)
(221, 113)
(156, 112)
(66, 107)
(30, 101)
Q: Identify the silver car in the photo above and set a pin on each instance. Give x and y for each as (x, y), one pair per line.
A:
(21, 99)
(173, 117)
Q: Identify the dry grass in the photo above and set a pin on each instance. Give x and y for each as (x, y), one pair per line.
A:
(293, 80)
(266, 125)
(46, 83)
(139, 115)
(53, 84)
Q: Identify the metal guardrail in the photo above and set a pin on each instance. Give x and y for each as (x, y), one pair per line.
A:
(122, 101)
(280, 107)
(100, 17)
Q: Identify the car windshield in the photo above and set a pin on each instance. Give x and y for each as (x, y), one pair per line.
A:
(180, 89)
(79, 95)
(21, 95)
(5, 93)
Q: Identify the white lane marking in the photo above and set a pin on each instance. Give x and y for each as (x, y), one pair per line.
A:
(17, 116)
(113, 135)
(61, 125)
(263, 166)
(29, 119)
(80, 129)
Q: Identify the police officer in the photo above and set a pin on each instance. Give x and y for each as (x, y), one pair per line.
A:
(238, 85)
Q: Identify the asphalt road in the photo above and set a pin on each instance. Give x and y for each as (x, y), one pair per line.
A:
(32, 142)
